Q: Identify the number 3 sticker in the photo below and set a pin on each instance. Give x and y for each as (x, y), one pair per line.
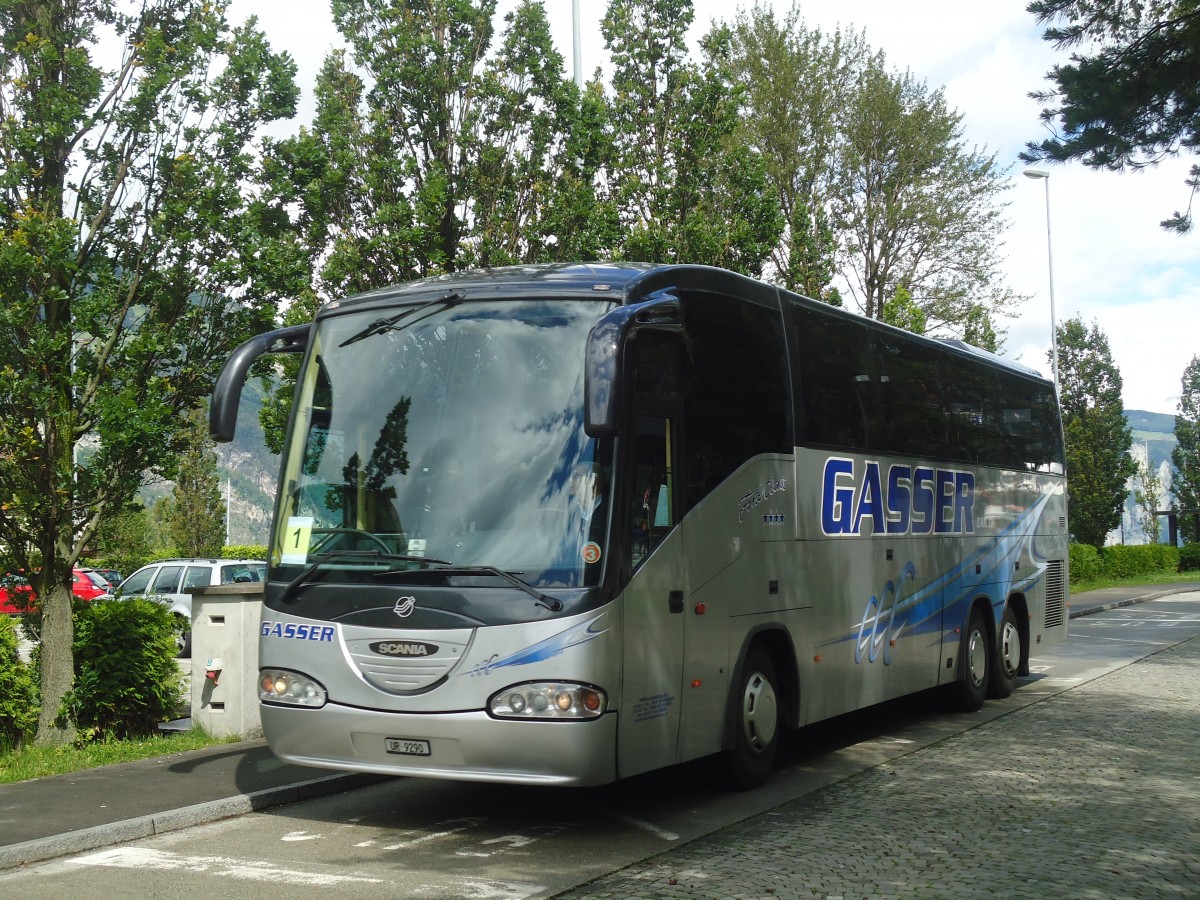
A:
(296, 539)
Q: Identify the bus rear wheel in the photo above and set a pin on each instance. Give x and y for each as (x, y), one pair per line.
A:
(974, 664)
(752, 746)
(1006, 661)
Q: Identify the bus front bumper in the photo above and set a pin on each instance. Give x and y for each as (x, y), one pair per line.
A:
(468, 746)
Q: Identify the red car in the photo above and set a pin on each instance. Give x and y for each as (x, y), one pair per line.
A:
(85, 586)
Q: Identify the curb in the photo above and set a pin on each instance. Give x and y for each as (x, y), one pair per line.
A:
(1118, 604)
(54, 846)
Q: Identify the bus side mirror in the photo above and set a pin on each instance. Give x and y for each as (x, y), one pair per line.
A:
(227, 393)
(603, 384)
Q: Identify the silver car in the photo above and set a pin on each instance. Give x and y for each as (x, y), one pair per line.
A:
(170, 581)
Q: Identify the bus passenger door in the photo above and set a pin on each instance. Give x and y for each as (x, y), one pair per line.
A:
(653, 599)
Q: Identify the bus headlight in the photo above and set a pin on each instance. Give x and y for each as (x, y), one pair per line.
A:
(548, 700)
(279, 686)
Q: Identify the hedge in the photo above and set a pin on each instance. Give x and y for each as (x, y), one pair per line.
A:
(1122, 561)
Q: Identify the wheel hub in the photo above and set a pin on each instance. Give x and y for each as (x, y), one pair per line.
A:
(759, 713)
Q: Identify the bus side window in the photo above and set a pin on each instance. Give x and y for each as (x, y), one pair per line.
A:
(653, 513)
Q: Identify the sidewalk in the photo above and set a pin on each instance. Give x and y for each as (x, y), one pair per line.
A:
(51, 817)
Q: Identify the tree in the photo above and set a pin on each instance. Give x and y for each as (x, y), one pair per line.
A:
(123, 539)
(1185, 457)
(128, 219)
(435, 148)
(1133, 98)
(1095, 432)
(1147, 496)
(686, 188)
(796, 85)
(903, 313)
(918, 209)
(197, 513)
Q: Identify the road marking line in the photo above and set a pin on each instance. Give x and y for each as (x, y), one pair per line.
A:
(247, 870)
(645, 826)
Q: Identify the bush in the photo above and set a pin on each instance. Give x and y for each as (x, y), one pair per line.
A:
(244, 551)
(18, 691)
(1129, 561)
(1085, 563)
(126, 677)
(1189, 557)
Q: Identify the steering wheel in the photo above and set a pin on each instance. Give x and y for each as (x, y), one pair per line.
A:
(356, 532)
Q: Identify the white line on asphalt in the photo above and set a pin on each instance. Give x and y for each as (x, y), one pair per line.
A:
(644, 826)
(248, 870)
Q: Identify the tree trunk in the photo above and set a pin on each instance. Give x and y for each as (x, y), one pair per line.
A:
(57, 663)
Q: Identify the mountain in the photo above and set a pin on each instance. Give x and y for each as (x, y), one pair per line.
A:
(249, 473)
(1155, 430)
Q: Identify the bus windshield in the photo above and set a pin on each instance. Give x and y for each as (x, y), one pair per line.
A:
(447, 434)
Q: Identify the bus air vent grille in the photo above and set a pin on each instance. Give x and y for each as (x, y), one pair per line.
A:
(1056, 593)
(404, 662)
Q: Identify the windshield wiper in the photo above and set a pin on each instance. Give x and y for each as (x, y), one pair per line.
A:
(292, 588)
(390, 323)
(551, 603)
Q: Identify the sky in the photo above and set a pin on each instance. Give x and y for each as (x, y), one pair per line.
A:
(1097, 232)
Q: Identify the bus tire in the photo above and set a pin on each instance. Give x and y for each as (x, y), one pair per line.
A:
(974, 664)
(1006, 661)
(755, 738)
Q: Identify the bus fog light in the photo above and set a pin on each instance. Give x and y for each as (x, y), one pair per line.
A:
(285, 688)
(542, 700)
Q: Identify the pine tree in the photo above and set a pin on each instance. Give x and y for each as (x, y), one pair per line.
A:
(197, 512)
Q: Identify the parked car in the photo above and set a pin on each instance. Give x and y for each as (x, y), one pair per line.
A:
(15, 587)
(170, 581)
(112, 576)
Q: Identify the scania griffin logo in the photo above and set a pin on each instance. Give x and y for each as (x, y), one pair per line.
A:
(405, 606)
(403, 648)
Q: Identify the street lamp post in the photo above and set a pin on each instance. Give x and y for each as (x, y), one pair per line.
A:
(1045, 176)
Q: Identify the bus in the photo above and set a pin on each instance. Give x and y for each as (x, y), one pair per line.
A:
(565, 524)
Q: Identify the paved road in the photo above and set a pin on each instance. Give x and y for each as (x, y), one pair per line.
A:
(1083, 784)
(1094, 792)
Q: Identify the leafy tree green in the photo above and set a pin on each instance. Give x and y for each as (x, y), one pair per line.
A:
(1096, 435)
(1129, 97)
(980, 331)
(903, 313)
(122, 541)
(1185, 457)
(197, 514)
(686, 187)
(917, 208)
(436, 147)
(797, 84)
(128, 220)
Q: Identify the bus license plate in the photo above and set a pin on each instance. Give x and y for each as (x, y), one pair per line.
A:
(407, 746)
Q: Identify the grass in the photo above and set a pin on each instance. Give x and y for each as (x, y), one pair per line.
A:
(1149, 580)
(39, 762)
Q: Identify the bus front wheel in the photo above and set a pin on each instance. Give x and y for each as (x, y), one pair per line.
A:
(974, 664)
(752, 746)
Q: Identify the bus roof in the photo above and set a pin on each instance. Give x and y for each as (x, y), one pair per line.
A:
(622, 283)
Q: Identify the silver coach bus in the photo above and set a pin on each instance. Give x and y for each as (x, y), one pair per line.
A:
(566, 524)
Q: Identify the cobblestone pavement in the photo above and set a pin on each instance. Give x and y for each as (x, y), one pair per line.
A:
(1091, 793)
